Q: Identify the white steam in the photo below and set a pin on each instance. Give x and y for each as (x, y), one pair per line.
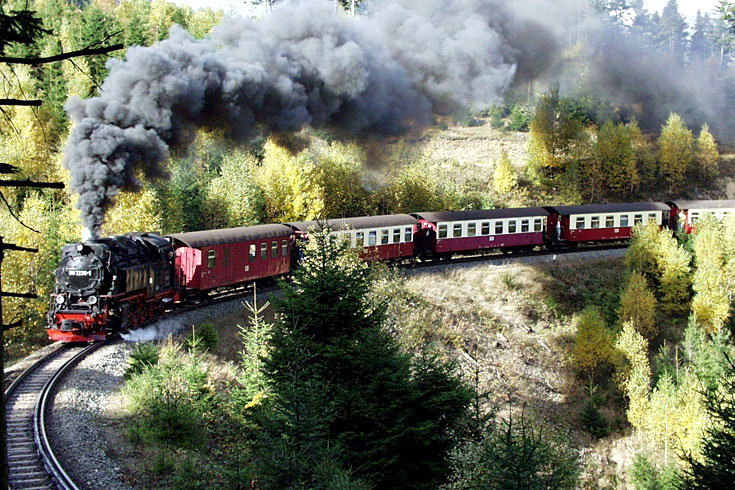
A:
(156, 331)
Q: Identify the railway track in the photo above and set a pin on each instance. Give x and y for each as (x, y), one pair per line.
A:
(32, 463)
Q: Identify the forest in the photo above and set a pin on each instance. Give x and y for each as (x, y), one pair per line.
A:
(648, 349)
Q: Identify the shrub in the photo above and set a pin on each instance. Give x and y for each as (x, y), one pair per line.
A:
(205, 338)
(645, 476)
(592, 421)
(144, 356)
(169, 399)
(520, 118)
(515, 454)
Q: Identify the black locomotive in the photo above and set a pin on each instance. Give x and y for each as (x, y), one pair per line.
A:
(105, 283)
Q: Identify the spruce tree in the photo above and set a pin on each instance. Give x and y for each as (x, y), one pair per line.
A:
(388, 417)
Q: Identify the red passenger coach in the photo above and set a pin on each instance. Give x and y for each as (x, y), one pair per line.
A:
(602, 222)
(387, 237)
(462, 231)
(684, 214)
(210, 259)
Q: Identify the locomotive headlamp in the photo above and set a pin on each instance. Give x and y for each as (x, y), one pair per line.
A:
(59, 299)
(93, 300)
(80, 247)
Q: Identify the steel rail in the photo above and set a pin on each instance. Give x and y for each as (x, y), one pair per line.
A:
(50, 462)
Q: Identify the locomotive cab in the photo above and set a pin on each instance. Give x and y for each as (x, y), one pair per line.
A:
(109, 283)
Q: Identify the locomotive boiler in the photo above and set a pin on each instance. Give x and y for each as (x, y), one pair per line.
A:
(106, 284)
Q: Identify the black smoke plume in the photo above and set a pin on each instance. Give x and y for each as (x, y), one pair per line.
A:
(383, 72)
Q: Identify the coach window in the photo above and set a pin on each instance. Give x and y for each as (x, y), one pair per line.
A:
(485, 229)
(498, 227)
(442, 231)
(579, 223)
(538, 224)
(359, 239)
(253, 253)
(384, 236)
(623, 220)
(396, 235)
(284, 247)
(512, 226)
(595, 222)
(652, 217)
(408, 235)
(457, 230)
(471, 229)
(264, 250)
(372, 238)
(695, 217)
(525, 226)
(211, 259)
(274, 249)
(609, 221)
(637, 219)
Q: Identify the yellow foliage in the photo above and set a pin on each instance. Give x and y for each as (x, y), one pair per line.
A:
(504, 177)
(133, 211)
(636, 385)
(26, 272)
(290, 189)
(676, 145)
(707, 155)
(711, 302)
(638, 306)
(594, 351)
(658, 257)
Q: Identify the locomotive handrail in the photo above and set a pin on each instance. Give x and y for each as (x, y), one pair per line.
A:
(43, 446)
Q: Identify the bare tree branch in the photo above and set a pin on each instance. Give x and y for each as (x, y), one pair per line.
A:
(33, 102)
(59, 57)
(29, 183)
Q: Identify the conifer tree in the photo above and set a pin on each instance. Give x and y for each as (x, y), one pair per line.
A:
(676, 144)
(391, 417)
(707, 155)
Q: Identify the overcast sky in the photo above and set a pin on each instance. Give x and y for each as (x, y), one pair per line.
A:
(688, 8)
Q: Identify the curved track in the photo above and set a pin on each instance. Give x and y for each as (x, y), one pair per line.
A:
(31, 461)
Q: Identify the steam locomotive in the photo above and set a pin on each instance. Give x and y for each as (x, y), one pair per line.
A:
(108, 284)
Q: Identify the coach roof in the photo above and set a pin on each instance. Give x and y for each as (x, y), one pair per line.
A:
(611, 208)
(435, 217)
(704, 204)
(361, 223)
(198, 239)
